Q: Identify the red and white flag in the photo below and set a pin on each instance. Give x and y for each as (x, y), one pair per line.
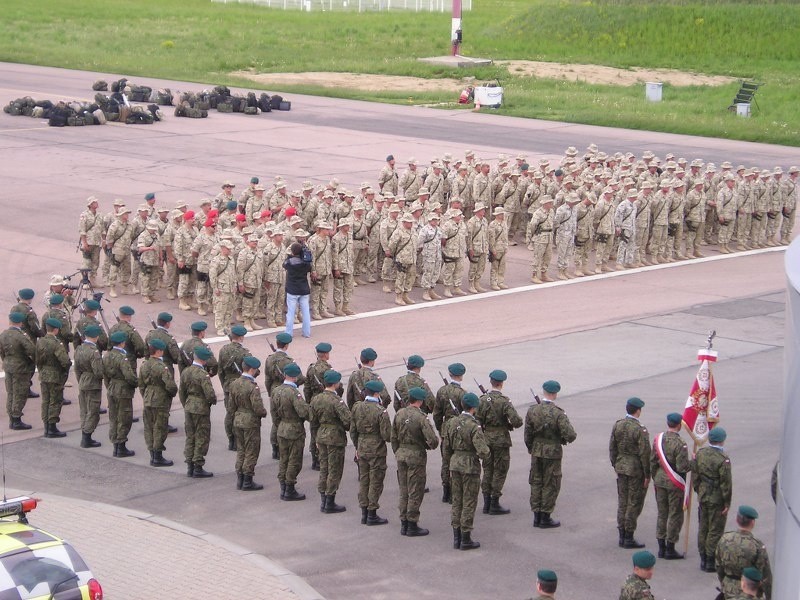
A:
(702, 410)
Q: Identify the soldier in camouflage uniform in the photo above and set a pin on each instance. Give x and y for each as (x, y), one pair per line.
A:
(329, 413)
(695, 210)
(319, 245)
(197, 397)
(289, 410)
(626, 226)
(274, 294)
(149, 250)
(53, 363)
(584, 220)
(249, 275)
(410, 380)
(726, 212)
(636, 586)
(498, 417)
(477, 247)
(498, 240)
(273, 377)
(446, 406)
(388, 226)
(547, 428)
(222, 281)
(171, 263)
(343, 268)
(134, 345)
(539, 238)
(465, 448)
(712, 482)
(90, 310)
(387, 178)
(402, 248)
(314, 385)
(430, 240)
(186, 356)
(370, 431)
(118, 243)
(749, 585)
(412, 437)
(202, 250)
(89, 373)
(231, 356)
(121, 383)
(158, 388)
(182, 253)
(30, 325)
(56, 311)
(740, 549)
(248, 408)
(791, 193)
(92, 237)
(565, 224)
(546, 584)
(138, 226)
(108, 219)
(669, 464)
(358, 379)
(629, 451)
(603, 217)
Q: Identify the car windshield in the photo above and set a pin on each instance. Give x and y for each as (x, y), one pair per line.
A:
(42, 572)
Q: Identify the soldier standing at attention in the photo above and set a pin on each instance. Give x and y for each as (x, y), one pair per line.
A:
(477, 247)
(446, 406)
(430, 239)
(230, 368)
(158, 388)
(712, 482)
(466, 447)
(343, 268)
(565, 223)
(30, 325)
(539, 238)
(53, 363)
(148, 248)
(92, 237)
(197, 397)
(90, 308)
(412, 379)
(547, 428)
(89, 373)
(740, 549)
(749, 584)
(222, 281)
(636, 586)
(498, 247)
(387, 178)
(546, 584)
(629, 451)
(498, 417)
(248, 408)
(314, 385)
(121, 383)
(250, 277)
(358, 379)
(370, 431)
(319, 245)
(329, 413)
(172, 353)
(289, 410)
(412, 437)
(669, 463)
(402, 248)
(274, 376)
(186, 356)
(134, 345)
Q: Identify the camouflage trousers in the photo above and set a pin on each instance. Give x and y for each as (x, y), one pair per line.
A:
(224, 303)
(171, 278)
(202, 292)
(582, 253)
(743, 224)
(119, 271)
(658, 241)
(477, 267)
(388, 271)
(248, 447)
(626, 252)
(453, 273)
(602, 251)
(148, 280)
(343, 289)
(445, 472)
(404, 281)
(711, 224)
(431, 271)
(228, 420)
(497, 270)
(545, 482)
(786, 227)
(565, 246)
(360, 261)
(312, 443)
(319, 296)
(105, 268)
(135, 269)
(630, 500)
(91, 260)
(670, 513)
(198, 437)
(272, 300)
(52, 398)
(495, 469)
(726, 231)
(89, 405)
(773, 225)
(371, 474)
(693, 238)
(758, 229)
(331, 466)
(514, 221)
(674, 242)
(642, 238)
(156, 422)
(291, 458)
(186, 284)
(374, 252)
(250, 305)
(542, 253)
(120, 419)
(17, 386)
(464, 488)
(411, 479)
(710, 527)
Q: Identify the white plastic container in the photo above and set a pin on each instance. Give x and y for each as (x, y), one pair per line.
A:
(653, 90)
(743, 109)
(489, 96)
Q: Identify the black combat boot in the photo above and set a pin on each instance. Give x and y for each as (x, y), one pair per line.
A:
(88, 442)
(456, 538)
(495, 508)
(322, 501)
(158, 460)
(248, 485)
(116, 449)
(189, 468)
(239, 480)
(55, 432)
(630, 542)
(415, 530)
(670, 553)
(374, 519)
(547, 522)
(135, 420)
(330, 505)
(403, 527)
(170, 428)
(537, 518)
(621, 537)
(231, 443)
(487, 501)
(18, 425)
(315, 463)
(275, 452)
(446, 494)
(283, 489)
(662, 548)
(66, 402)
(292, 494)
(364, 512)
(703, 562)
(201, 473)
(467, 543)
(102, 411)
(32, 394)
(711, 564)
(123, 452)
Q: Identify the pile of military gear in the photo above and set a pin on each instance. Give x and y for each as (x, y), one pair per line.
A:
(136, 93)
(59, 114)
(115, 108)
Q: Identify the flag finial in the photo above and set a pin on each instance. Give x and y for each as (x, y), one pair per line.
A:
(710, 342)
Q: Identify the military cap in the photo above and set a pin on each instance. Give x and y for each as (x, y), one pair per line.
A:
(56, 299)
(164, 316)
(674, 419)
(307, 185)
(666, 182)
(546, 199)
(470, 400)
(469, 153)
(716, 435)
(498, 375)
(144, 208)
(154, 225)
(188, 215)
(247, 230)
(412, 161)
(415, 361)
(696, 163)
(241, 218)
(424, 191)
(368, 354)
(778, 171)
(175, 214)
(26, 294)
(16, 317)
(92, 331)
(118, 337)
(765, 174)
(119, 202)
(226, 244)
(546, 575)
(551, 387)
(331, 376)
(572, 198)
(345, 223)
(408, 218)
(323, 347)
(157, 344)
(149, 196)
(416, 394)
(374, 385)
(57, 280)
(228, 184)
(643, 559)
(726, 165)
(369, 191)
(479, 206)
(91, 305)
(202, 353)
(199, 326)
(499, 210)
(251, 362)
(284, 338)
(162, 209)
(254, 180)
(292, 370)
(793, 170)
(752, 574)
(238, 331)
(91, 200)
(180, 204)
(748, 511)
(571, 151)
(394, 208)
(126, 310)
(259, 188)
(390, 157)
(279, 183)
(635, 402)
(456, 369)
(54, 323)
(647, 184)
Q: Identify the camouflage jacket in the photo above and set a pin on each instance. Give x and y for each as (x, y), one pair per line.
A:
(156, 384)
(463, 443)
(186, 355)
(355, 387)
(273, 370)
(371, 428)
(172, 353)
(222, 274)
(547, 428)
(52, 360)
(88, 367)
(677, 455)
(412, 436)
(498, 417)
(405, 383)
(83, 323)
(31, 323)
(65, 333)
(314, 383)
(447, 404)
(196, 392)
(712, 476)
(342, 252)
(289, 410)
(246, 403)
(120, 379)
(629, 448)
(134, 346)
(737, 550)
(635, 588)
(230, 363)
(331, 415)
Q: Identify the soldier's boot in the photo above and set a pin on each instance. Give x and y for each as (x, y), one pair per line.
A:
(322, 501)
(158, 460)
(547, 522)
(315, 316)
(478, 286)
(621, 537)
(32, 394)
(331, 507)
(472, 289)
(545, 277)
(662, 548)
(387, 288)
(723, 249)
(347, 310)
(364, 511)
(407, 300)
(537, 518)
(487, 501)
(630, 541)
(189, 465)
(170, 294)
(275, 452)
(231, 443)
(670, 553)
(123, 452)
(291, 494)
(698, 254)
(403, 527)
(239, 480)
(146, 300)
(562, 274)
(112, 291)
(272, 323)
(398, 299)
(711, 564)
(446, 492)
(315, 463)
(337, 310)
(426, 295)
(496, 509)
(171, 428)
(326, 313)
(88, 442)
(248, 485)
(456, 538)
(116, 449)
(374, 519)
(283, 488)
(448, 291)
(54, 432)
(467, 543)
(703, 562)
(183, 304)
(579, 271)
(18, 425)
(457, 291)
(201, 309)
(201, 473)
(415, 530)
(434, 295)
(605, 268)
(535, 278)
(255, 325)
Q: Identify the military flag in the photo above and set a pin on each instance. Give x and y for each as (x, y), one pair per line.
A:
(702, 409)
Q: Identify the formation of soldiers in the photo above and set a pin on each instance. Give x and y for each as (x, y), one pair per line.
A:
(472, 431)
(432, 226)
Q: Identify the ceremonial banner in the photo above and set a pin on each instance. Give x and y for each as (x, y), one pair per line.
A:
(702, 410)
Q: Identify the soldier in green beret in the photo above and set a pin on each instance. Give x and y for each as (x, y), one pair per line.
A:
(121, 383)
(197, 396)
(172, 353)
(186, 356)
(740, 549)
(356, 383)
(231, 356)
(248, 408)
(53, 363)
(56, 310)
(289, 411)
(158, 388)
(669, 463)
(447, 405)
(90, 310)
(313, 386)
(89, 372)
(134, 346)
(274, 376)
(18, 352)
(546, 584)
(31, 323)
(629, 451)
(636, 586)
(750, 584)
(411, 379)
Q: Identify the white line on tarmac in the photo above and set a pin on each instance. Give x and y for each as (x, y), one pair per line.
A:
(516, 290)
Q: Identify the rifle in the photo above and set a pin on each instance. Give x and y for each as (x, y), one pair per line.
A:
(358, 362)
(271, 346)
(480, 387)
(406, 363)
(450, 400)
(152, 323)
(535, 397)
(186, 356)
(116, 316)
